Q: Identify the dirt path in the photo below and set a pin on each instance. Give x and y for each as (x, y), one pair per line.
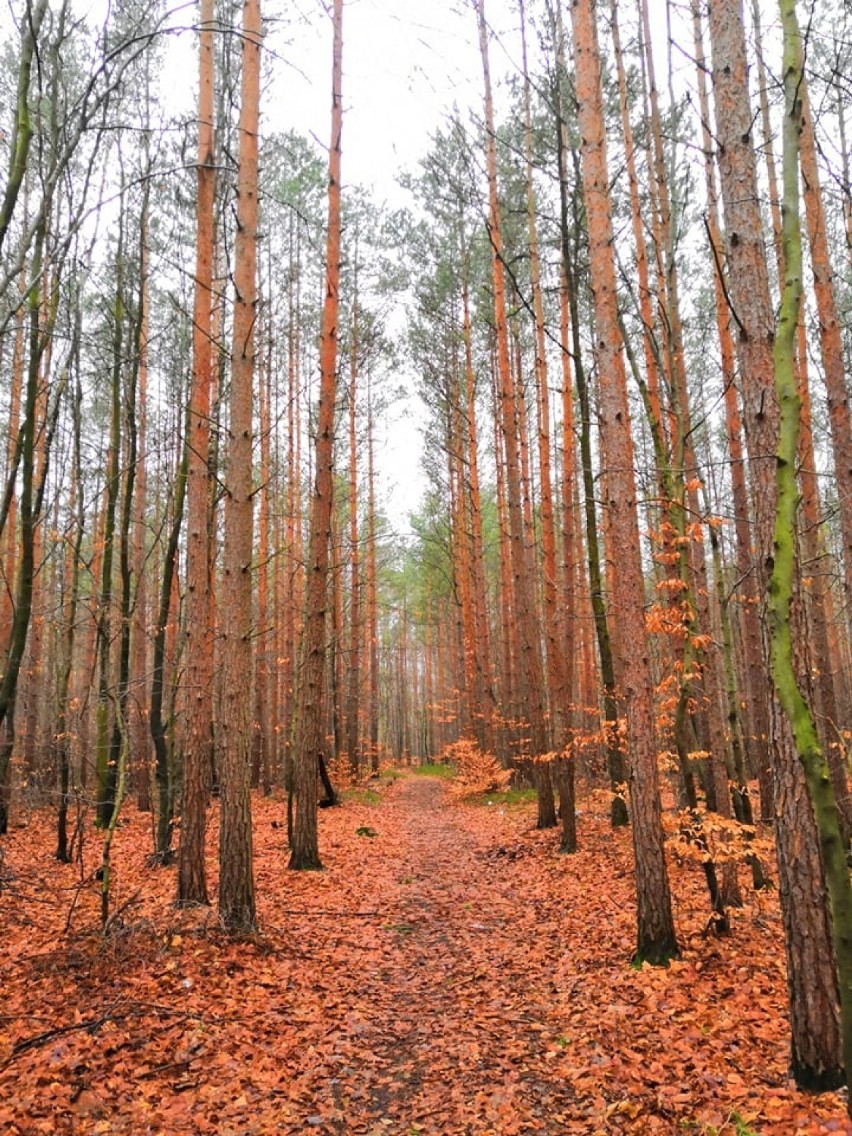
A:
(447, 974)
(404, 990)
(458, 1020)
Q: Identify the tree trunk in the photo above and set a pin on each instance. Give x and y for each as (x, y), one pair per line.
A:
(656, 941)
(353, 677)
(531, 667)
(140, 747)
(106, 768)
(836, 380)
(309, 747)
(782, 577)
(28, 514)
(77, 509)
(614, 754)
(372, 619)
(198, 676)
(812, 979)
(163, 763)
(236, 876)
(23, 130)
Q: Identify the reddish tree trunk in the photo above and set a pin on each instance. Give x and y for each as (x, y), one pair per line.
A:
(656, 939)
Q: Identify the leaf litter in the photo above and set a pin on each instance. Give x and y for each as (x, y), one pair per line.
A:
(457, 977)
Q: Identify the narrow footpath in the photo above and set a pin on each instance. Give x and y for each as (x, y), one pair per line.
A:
(448, 973)
(456, 1030)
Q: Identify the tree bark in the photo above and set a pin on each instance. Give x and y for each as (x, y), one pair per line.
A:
(236, 876)
(531, 666)
(198, 674)
(811, 972)
(309, 747)
(656, 940)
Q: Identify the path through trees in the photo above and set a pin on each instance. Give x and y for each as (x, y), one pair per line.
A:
(449, 972)
(211, 340)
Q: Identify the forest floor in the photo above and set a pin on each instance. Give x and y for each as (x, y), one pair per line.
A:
(448, 974)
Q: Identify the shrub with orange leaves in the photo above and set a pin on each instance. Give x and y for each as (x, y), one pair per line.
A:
(476, 772)
(703, 836)
(340, 772)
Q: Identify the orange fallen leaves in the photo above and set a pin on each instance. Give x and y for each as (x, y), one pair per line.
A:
(453, 976)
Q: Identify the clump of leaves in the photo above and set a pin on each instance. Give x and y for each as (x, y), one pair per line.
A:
(340, 772)
(476, 772)
(723, 840)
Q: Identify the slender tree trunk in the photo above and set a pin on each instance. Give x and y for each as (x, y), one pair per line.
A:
(9, 529)
(571, 560)
(28, 520)
(372, 620)
(756, 685)
(236, 876)
(159, 721)
(821, 660)
(140, 734)
(614, 755)
(304, 852)
(106, 769)
(119, 752)
(23, 129)
(77, 509)
(479, 596)
(356, 636)
(264, 640)
(335, 631)
(656, 941)
(558, 648)
(509, 641)
(198, 675)
(531, 666)
(831, 344)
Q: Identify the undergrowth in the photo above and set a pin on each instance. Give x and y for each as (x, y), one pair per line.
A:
(434, 769)
(520, 796)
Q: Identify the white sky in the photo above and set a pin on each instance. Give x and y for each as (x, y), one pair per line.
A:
(405, 63)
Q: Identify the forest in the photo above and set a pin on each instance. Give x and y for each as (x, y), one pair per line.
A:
(527, 812)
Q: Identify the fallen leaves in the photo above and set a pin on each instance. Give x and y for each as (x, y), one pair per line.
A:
(454, 976)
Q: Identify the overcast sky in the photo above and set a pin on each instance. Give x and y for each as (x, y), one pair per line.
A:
(405, 63)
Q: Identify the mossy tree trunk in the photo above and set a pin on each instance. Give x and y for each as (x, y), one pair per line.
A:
(22, 130)
(811, 972)
(783, 577)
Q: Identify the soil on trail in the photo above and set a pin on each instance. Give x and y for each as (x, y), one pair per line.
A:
(456, 1016)
(448, 974)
